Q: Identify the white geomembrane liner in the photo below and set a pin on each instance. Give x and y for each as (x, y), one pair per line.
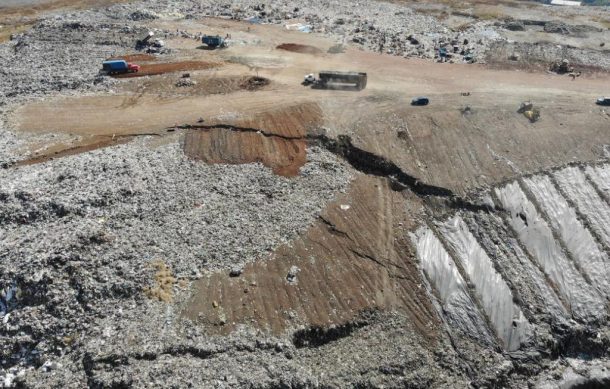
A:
(578, 240)
(493, 292)
(537, 237)
(458, 308)
(573, 183)
(600, 175)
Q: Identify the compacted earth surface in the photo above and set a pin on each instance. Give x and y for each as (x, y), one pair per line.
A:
(209, 221)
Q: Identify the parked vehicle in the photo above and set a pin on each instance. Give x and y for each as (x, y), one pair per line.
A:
(337, 80)
(420, 101)
(119, 66)
(603, 101)
(213, 41)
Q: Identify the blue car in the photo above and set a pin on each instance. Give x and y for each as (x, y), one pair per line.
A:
(420, 101)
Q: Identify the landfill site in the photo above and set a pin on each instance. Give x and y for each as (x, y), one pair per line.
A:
(304, 194)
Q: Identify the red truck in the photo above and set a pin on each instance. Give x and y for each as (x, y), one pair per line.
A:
(119, 66)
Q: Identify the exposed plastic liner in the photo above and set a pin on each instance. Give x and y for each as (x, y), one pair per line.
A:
(573, 183)
(299, 27)
(536, 235)
(578, 240)
(600, 175)
(491, 290)
(534, 292)
(458, 308)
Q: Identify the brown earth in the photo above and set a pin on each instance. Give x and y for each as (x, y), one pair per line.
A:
(153, 69)
(136, 58)
(205, 84)
(274, 138)
(354, 258)
(440, 144)
(298, 48)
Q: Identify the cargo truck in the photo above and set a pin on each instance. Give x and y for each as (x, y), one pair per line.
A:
(119, 66)
(337, 80)
(213, 41)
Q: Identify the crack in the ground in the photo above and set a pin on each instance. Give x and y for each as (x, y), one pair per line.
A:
(230, 127)
(316, 336)
(363, 161)
(375, 260)
(372, 164)
(333, 228)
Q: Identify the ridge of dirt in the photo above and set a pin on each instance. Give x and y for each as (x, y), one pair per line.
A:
(299, 48)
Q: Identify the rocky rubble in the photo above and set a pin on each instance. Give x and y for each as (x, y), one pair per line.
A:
(80, 236)
(85, 245)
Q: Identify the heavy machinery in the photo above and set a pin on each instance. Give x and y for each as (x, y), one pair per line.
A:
(337, 80)
(119, 66)
(213, 41)
(152, 46)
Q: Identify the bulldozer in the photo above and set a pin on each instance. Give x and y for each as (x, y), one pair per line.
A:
(529, 111)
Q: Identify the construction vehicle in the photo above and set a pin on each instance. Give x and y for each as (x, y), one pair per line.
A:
(214, 41)
(145, 42)
(119, 66)
(337, 80)
(152, 46)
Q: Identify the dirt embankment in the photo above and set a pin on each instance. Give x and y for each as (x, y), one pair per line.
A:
(299, 48)
(275, 138)
(153, 69)
(354, 258)
(136, 58)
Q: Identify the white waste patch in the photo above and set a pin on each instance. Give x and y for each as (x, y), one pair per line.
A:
(537, 237)
(573, 183)
(458, 308)
(577, 239)
(491, 290)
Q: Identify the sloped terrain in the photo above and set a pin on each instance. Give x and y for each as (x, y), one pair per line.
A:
(231, 227)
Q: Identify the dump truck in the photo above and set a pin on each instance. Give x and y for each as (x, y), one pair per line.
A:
(337, 80)
(213, 41)
(119, 66)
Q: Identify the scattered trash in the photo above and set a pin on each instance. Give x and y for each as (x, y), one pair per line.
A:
(292, 274)
(235, 272)
(466, 110)
(253, 20)
(561, 67)
(185, 82)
